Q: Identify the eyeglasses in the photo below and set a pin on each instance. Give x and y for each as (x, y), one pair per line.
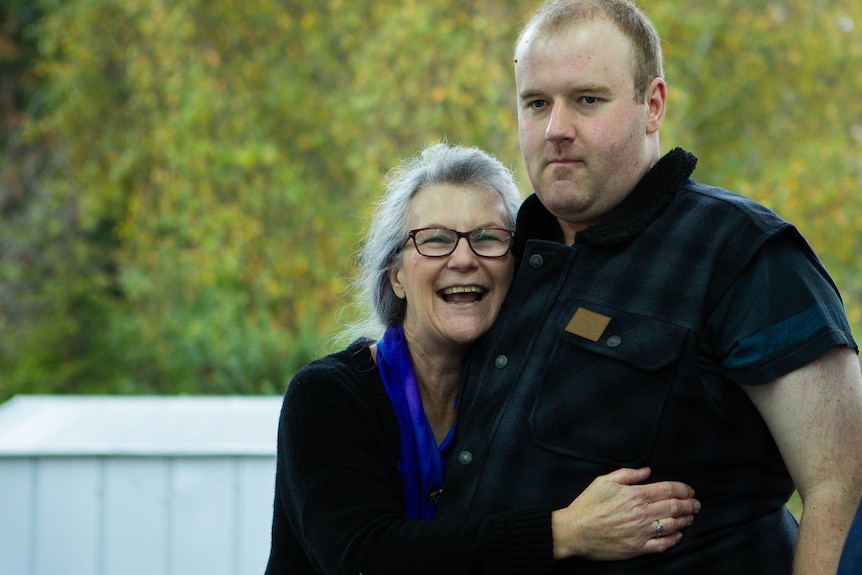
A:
(439, 242)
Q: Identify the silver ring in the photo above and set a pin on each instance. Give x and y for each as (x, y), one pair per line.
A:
(659, 528)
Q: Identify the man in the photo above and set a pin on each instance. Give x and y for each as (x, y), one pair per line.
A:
(658, 322)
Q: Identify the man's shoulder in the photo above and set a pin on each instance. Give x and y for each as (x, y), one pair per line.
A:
(724, 206)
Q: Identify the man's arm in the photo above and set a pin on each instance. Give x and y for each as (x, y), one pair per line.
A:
(815, 416)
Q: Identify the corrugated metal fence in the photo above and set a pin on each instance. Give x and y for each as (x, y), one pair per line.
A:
(136, 485)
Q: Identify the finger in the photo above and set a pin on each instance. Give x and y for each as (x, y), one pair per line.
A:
(661, 544)
(629, 476)
(668, 490)
(674, 507)
(670, 526)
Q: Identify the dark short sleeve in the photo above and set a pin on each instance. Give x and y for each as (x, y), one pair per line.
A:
(782, 313)
(851, 558)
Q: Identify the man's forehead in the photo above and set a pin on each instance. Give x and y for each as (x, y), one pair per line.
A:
(544, 33)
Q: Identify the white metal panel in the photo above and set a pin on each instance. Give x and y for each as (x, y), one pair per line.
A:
(257, 485)
(98, 486)
(203, 516)
(135, 512)
(67, 521)
(139, 425)
(16, 516)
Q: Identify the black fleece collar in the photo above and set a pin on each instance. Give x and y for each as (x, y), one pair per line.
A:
(646, 203)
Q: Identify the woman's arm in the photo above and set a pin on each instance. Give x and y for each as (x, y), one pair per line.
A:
(617, 518)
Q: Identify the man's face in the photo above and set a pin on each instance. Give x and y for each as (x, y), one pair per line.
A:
(585, 141)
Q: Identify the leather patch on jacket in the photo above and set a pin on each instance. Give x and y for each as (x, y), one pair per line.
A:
(588, 324)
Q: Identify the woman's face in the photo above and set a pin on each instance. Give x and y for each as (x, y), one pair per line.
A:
(451, 300)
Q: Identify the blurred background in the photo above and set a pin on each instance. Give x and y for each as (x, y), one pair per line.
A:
(183, 183)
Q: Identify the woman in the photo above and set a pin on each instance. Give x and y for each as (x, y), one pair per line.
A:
(365, 433)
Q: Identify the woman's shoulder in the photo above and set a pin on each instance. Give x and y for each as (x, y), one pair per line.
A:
(351, 369)
(342, 390)
(355, 358)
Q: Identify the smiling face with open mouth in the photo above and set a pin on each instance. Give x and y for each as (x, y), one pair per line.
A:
(452, 300)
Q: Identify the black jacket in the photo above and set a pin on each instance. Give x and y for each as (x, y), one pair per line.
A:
(628, 349)
(339, 506)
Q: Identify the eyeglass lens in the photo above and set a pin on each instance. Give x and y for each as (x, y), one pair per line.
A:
(436, 242)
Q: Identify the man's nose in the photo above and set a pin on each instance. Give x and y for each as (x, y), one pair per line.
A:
(560, 124)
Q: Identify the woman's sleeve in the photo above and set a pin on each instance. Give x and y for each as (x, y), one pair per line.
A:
(338, 489)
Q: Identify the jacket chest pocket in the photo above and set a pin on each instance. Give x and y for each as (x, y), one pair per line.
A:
(603, 391)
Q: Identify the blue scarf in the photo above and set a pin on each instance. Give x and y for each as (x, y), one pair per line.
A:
(420, 462)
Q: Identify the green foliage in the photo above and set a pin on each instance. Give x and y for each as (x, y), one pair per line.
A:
(766, 92)
(795, 505)
(197, 173)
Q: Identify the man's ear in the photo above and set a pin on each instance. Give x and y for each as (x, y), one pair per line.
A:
(656, 99)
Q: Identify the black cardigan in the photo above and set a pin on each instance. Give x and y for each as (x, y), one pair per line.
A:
(339, 505)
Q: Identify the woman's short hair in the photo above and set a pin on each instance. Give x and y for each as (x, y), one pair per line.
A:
(438, 164)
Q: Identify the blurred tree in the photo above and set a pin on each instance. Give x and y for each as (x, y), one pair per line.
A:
(217, 159)
(766, 93)
(44, 296)
(212, 162)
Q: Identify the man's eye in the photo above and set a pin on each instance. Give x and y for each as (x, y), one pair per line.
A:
(590, 100)
(537, 104)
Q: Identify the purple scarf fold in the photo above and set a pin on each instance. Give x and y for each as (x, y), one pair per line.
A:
(421, 463)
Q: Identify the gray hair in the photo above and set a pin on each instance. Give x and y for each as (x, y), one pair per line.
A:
(435, 165)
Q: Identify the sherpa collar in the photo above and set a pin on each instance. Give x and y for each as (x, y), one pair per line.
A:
(625, 222)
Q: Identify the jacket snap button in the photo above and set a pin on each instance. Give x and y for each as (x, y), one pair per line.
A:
(536, 261)
(465, 458)
(501, 361)
(614, 341)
